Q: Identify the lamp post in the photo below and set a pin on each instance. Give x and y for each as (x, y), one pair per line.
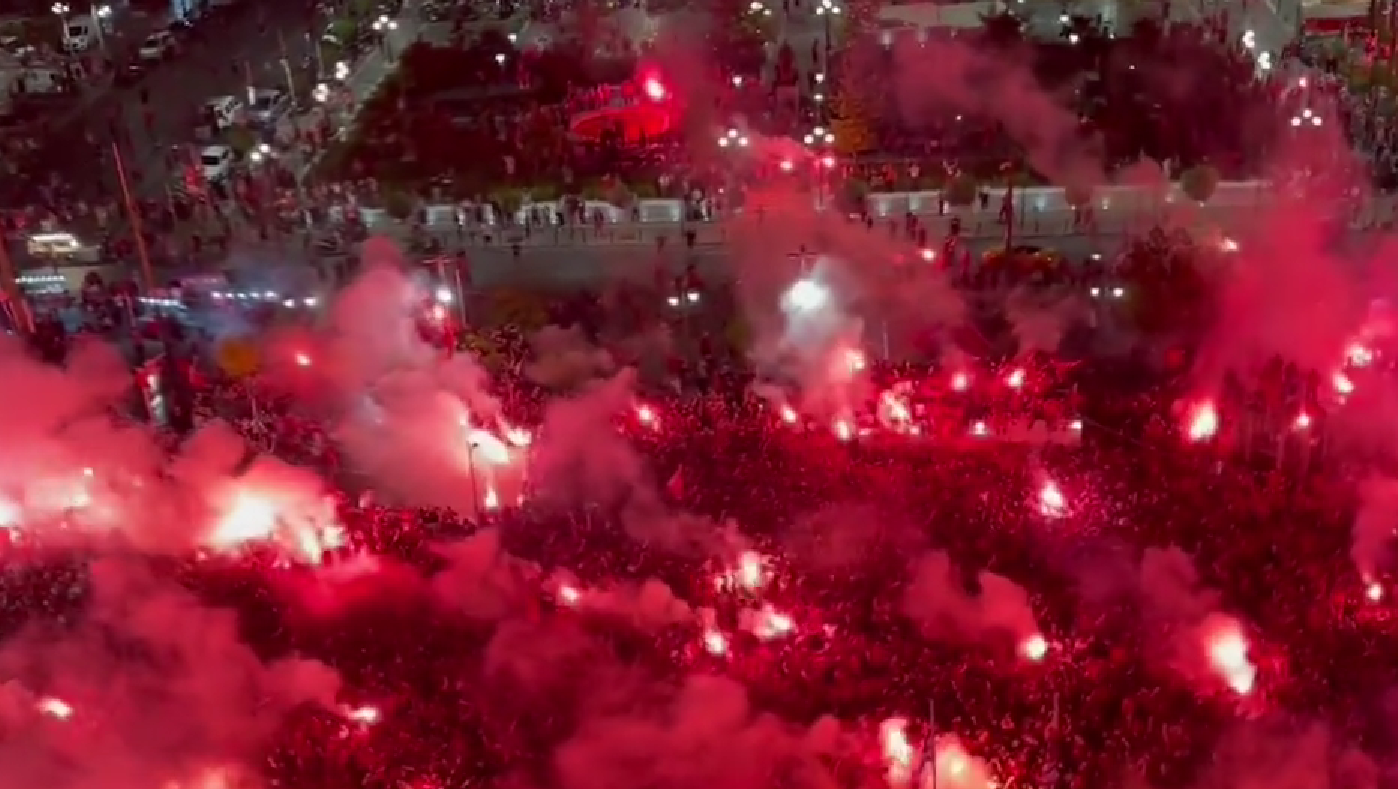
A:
(732, 139)
(62, 10)
(383, 26)
(820, 141)
(827, 10)
(100, 15)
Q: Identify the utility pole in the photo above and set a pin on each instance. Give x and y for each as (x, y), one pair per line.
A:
(14, 296)
(134, 216)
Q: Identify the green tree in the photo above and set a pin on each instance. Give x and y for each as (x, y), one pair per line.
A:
(241, 139)
(399, 203)
(1200, 182)
(851, 123)
(1077, 195)
(1170, 291)
(961, 190)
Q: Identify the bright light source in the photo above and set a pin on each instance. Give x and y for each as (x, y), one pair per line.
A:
(1118, 292)
(787, 166)
(692, 296)
(655, 91)
(806, 296)
(928, 255)
(444, 295)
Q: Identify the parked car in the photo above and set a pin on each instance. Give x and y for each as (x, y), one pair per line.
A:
(216, 163)
(157, 46)
(268, 104)
(224, 111)
(80, 33)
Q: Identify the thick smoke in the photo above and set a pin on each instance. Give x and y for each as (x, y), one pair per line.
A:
(154, 688)
(937, 600)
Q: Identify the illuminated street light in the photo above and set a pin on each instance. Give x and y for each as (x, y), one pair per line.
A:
(733, 138)
(321, 93)
(500, 59)
(342, 70)
(61, 9)
(444, 295)
(690, 297)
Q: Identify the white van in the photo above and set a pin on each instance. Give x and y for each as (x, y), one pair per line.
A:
(81, 33)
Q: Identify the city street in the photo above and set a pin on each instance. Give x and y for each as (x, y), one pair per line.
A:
(217, 61)
(584, 256)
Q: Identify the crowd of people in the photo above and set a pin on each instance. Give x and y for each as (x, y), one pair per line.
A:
(1039, 613)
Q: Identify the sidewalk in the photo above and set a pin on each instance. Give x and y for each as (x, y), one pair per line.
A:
(364, 79)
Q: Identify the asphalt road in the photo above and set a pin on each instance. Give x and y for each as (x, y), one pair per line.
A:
(161, 110)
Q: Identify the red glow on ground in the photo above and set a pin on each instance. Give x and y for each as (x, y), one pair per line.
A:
(649, 120)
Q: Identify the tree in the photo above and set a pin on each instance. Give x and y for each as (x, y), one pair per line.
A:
(241, 139)
(1170, 292)
(399, 203)
(1146, 33)
(850, 123)
(1077, 195)
(961, 190)
(1002, 29)
(1199, 182)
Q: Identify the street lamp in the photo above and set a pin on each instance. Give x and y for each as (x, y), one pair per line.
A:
(826, 11)
(690, 297)
(1307, 116)
(383, 26)
(819, 141)
(733, 139)
(62, 10)
(100, 15)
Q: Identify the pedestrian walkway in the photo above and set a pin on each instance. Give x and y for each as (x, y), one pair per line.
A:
(1030, 227)
(364, 79)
